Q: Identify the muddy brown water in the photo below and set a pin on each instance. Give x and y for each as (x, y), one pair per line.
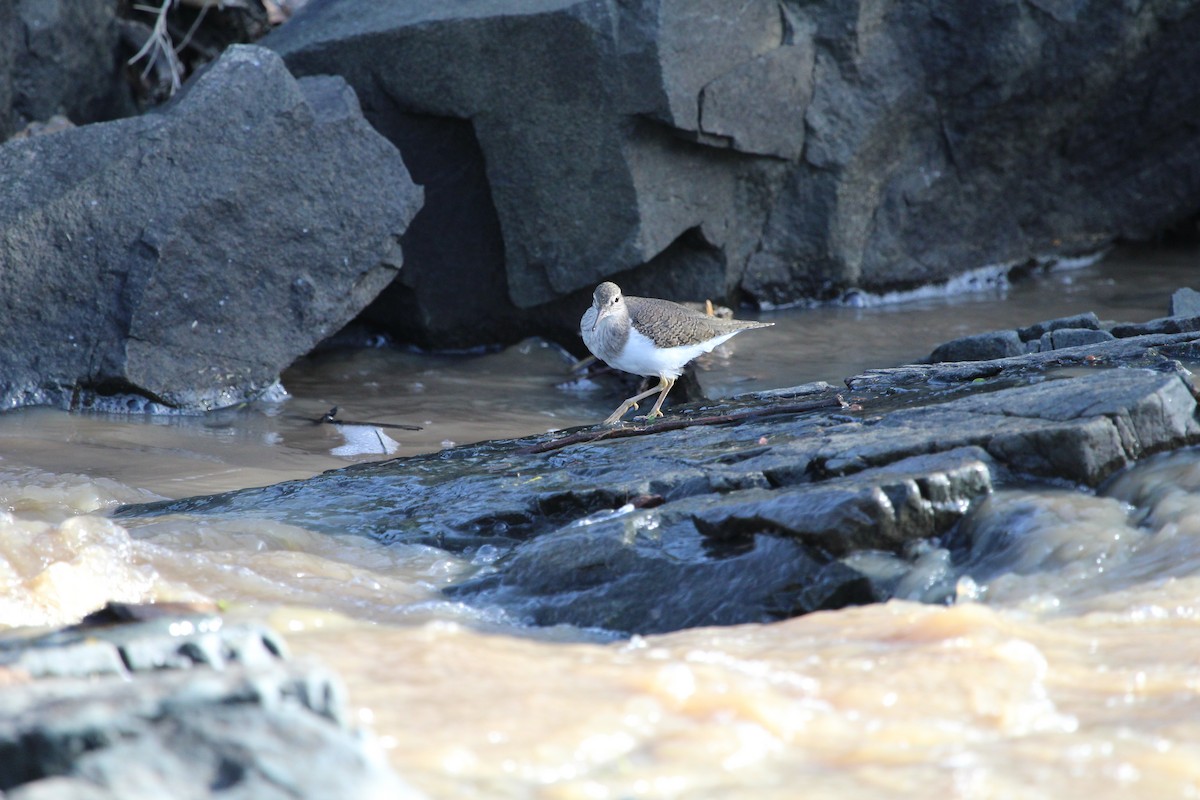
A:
(1075, 670)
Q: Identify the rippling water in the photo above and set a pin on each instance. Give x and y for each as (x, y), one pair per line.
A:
(1070, 666)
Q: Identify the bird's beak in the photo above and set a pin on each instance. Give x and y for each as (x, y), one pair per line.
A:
(601, 313)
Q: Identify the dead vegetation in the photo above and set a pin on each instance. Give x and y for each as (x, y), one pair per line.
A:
(171, 39)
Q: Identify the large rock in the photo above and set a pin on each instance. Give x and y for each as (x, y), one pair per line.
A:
(944, 136)
(784, 149)
(178, 705)
(61, 57)
(612, 576)
(192, 254)
(637, 531)
(554, 163)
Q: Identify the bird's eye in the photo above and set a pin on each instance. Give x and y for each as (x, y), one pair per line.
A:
(616, 300)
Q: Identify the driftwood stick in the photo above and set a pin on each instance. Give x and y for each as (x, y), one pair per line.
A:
(328, 418)
(674, 424)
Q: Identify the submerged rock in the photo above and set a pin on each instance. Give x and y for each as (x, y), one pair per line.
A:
(190, 255)
(650, 573)
(181, 705)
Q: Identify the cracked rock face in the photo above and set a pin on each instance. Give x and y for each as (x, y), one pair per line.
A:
(605, 139)
(780, 149)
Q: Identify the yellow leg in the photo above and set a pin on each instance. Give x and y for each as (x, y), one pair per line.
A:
(664, 386)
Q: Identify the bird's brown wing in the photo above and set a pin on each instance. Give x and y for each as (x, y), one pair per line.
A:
(670, 324)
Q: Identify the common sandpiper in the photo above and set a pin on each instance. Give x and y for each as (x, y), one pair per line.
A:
(651, 337)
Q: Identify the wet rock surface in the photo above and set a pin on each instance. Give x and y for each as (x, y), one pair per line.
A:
(188, 256)
(175, 704)
(759, 508)
(1142, 347)
(1068, 333)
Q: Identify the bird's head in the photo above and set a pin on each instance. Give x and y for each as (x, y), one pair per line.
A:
(607, 299)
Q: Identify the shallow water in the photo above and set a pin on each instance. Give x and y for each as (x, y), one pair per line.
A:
(1071, 664)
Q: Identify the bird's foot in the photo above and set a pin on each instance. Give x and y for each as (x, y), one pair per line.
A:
(615, 417)
(649, 417)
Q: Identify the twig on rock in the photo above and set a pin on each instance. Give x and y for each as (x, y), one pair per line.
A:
(676, 423)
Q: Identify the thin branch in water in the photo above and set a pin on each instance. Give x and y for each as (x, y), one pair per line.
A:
(329, 417)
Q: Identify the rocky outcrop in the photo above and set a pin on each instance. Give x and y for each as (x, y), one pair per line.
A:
(775, 149)
(1070, 333)
(761, 508)
(181, 704)
(190, 255)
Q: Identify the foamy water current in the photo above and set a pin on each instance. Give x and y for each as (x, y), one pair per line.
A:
(1069, 665)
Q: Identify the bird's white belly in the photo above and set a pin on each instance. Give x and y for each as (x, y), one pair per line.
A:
(641, 357)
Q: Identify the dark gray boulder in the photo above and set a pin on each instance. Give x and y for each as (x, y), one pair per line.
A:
(779, 149)
(878, 508)
(563, 166)
(178, 705)
(980, 346)
(746, 555)
(945, 136)
(190, 255)
(1083, 322)
(610, 576)
(1072, 337)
